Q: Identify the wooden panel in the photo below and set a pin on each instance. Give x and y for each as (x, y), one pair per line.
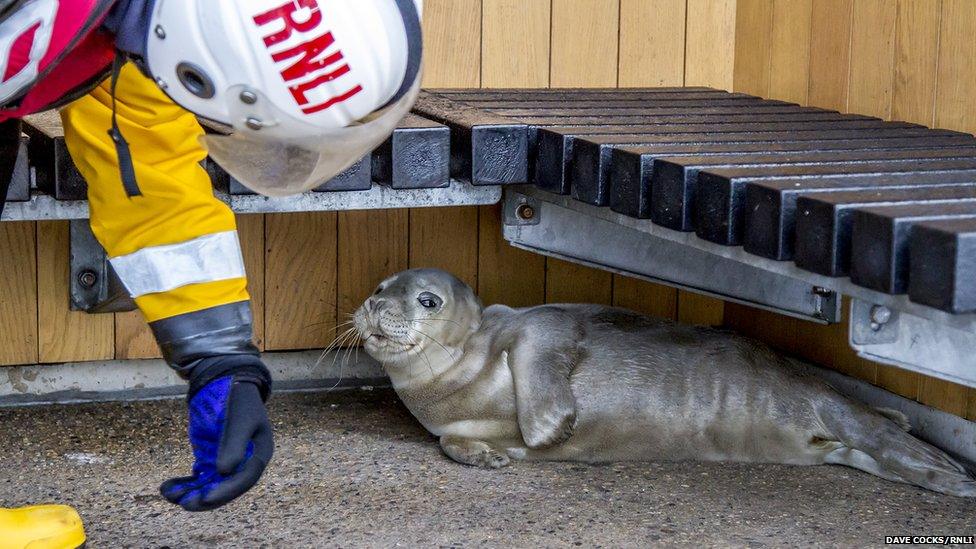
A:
(944, 395)
(647, 298)
(571, 283)
(584, 43)
(446, 238)
(506, 274)
(916, 60)
(372, 246)
(699, 309)
(955, 108)
(18, 293)
(452, 43)
(789, 64)
(250, 229)
(710, 37)
(133, 338)
(830, 51)
(777, 331)
(754, 23)
(515, 54)
(300, 280)
(652, 43)
(898, 381)
(515, 43)
(584, 53)
(65, 335)
(872, 57)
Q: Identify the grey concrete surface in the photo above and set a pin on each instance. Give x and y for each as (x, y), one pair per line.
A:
(353, 469)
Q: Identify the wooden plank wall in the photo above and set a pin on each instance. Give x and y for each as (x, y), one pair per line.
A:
(912, 60)
(906, 59)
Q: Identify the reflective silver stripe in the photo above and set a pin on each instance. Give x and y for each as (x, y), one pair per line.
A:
(162, 268)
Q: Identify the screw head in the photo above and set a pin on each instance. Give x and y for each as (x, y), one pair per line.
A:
(254, 123)
(87, 278)
(160, 32)
(248, 97)
(525, 212)
(880, 315)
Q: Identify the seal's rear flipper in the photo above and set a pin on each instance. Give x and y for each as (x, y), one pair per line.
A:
(899, 418)
(899, 455)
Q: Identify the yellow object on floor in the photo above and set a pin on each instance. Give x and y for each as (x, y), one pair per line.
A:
(41, 527)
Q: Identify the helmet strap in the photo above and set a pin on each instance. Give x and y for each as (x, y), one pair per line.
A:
(126, 169)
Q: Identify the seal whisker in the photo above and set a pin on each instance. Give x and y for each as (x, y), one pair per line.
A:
(449, 353)
(334, 344)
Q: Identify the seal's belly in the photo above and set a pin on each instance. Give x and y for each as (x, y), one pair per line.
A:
(713, 414)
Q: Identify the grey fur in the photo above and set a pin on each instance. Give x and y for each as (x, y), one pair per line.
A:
(598, 384)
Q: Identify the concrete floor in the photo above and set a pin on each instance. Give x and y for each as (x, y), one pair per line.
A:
(353, 469)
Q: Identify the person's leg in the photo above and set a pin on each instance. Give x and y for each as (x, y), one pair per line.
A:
(175, 247)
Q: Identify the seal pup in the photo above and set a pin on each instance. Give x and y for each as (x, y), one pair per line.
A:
(599, 384)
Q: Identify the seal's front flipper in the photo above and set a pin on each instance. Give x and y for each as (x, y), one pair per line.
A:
(899, 455)
(541, 359)
(473, 452)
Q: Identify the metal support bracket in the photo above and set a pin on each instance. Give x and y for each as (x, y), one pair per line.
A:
(94, 286)
(552, 228)
(892, 337)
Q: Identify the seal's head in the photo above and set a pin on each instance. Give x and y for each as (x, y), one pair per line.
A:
(417, 312)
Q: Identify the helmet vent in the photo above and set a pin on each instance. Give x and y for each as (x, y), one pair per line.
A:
(195, 80)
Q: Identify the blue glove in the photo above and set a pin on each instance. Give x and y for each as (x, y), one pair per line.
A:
(230, 435)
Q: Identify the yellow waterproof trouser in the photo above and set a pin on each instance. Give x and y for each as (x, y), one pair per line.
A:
(174, 245)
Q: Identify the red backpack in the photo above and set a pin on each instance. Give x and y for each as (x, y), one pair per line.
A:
(51, 52)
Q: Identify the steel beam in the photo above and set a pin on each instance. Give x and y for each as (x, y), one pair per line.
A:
(93, 285)
(552, 229)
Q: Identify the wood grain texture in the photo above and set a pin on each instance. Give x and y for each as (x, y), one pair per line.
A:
(18, 293)
(753, 51)
(515, 54)
(446, 238)
(710, 37)
(898, 381)
(506, 274)
(700, 310)
(250, 230)
(652, 43)
(944, 395)
(789, 63)
(452, 43)
(300, 280)
(916, 60)
(954, 106)
(777, 331)
(133, 338)
(515, 43)
(65, 335)
(647, 298)
(585, 36)
(872, 57)
(830, 53)
(372, 247)
(571, 283)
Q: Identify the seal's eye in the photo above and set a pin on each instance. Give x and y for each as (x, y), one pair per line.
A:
(378, 290)
(429, 300)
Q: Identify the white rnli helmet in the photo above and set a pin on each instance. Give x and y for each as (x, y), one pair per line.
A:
(304, 88)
